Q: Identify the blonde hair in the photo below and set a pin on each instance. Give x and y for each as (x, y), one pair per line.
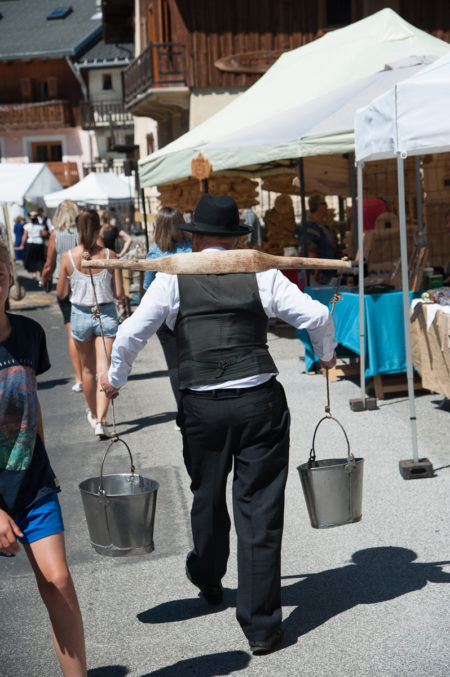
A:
(65, 215)
(88, 229)
(4, 255)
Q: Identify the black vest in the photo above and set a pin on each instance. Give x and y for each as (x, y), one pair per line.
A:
(221, 329)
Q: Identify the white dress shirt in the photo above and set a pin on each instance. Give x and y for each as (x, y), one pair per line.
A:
(161, 302)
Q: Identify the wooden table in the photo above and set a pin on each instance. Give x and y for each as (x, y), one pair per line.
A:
(431, 346)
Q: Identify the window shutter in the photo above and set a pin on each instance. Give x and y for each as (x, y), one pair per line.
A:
(52, 87)
(25, 88)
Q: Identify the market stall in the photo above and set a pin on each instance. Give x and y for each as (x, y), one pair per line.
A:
(410, 119)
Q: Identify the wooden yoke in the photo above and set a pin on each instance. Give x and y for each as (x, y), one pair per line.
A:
(227, 261)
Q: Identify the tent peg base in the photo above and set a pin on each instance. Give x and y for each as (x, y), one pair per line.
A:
(416, 470)
(363, 404)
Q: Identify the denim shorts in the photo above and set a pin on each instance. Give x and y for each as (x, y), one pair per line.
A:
(84, 327)
(42, 519)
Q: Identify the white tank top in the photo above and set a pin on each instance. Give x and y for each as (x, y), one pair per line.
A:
(81, 292)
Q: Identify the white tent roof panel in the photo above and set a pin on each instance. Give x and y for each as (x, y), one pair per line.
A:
(411, 118)
(300, 75)
(100, 188)
(22, 181)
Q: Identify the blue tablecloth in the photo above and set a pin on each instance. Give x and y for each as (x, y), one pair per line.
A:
(384, 332)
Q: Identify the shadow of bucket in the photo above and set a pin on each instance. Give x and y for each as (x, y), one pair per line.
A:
(333, 487)
(120, 511)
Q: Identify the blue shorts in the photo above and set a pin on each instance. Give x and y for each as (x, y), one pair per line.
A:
(84, 327)
(43, 519)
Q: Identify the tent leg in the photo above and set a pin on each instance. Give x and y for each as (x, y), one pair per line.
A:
(359, 404)
(420, 238)
(304, 228)
(414, 468)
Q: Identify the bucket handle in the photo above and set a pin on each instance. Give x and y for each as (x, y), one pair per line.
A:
(350, 465)
(132, 468)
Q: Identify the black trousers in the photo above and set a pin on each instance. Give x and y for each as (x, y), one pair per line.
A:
(169, 345)
(247, 429)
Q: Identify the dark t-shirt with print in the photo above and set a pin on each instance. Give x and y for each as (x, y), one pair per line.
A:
(25, 471)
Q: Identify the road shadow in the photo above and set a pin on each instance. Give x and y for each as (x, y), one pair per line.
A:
(53, 383)
(184, 609)
(374, 575)
(213, 665)
(443, 404)
(109, 671)
(145, 421)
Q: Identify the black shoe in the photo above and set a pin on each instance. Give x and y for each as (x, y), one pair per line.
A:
(213, 594)
(259, 647)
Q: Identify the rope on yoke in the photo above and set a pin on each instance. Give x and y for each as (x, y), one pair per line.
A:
(96, 314)
(336, 297)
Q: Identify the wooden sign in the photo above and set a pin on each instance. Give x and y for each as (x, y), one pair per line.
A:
(248, 62)
(201, 167)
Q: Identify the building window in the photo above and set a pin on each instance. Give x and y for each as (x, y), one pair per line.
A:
(107, 81)
(150, 143)
(46, 151)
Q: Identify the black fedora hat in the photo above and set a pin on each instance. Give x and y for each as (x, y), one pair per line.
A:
(216, 215)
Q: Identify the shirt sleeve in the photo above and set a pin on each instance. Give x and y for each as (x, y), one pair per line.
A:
(285, 300)
(159, 302)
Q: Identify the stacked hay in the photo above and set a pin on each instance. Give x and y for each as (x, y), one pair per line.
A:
(185, 194)
(280, 226)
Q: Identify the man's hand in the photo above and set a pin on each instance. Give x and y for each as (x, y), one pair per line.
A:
(110, 392)
(330, 363)
(8, 532)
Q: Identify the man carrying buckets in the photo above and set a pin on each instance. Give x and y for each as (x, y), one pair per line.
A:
(232, 408)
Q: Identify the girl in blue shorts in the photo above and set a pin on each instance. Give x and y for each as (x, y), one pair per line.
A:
(29, 506)
(85, 327)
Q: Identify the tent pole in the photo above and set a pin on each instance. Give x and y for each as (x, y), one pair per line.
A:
(351, 178)
(145, 218)
(405, 286)
(301, 177)
(420, 238)
(362, 346)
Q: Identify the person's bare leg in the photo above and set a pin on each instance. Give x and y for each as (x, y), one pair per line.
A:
(73, 354)
(48, 559)
(102, 366)
(86, 352)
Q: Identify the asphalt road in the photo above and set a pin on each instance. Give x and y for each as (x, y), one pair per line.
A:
(365, 599)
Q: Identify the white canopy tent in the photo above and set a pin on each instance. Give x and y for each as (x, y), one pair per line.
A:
(25, 183)
(323, 126)
(97, 189)
(410, 119)
(298, 76)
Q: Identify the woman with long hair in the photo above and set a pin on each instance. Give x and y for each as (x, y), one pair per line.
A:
(169, 239)
(86, 328)
(62, 238)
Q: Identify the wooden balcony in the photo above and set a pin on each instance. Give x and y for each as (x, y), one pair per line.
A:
(65, 172)
(156, 80)
(98, 114)
(42, 115)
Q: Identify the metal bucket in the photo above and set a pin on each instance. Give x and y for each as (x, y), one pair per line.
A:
(332, 487)
(120, 511)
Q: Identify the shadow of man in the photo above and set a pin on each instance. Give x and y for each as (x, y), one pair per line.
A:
(374, 575)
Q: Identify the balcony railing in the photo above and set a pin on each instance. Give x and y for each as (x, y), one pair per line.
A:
(95, 114)
(65, 172)
(47, 115)
(161, 64)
